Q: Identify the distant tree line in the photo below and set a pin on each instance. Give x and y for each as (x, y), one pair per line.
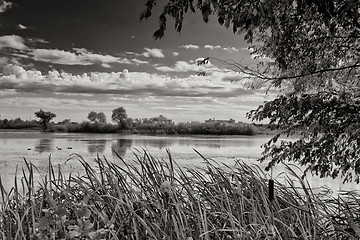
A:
(18, 123)
(123, 124)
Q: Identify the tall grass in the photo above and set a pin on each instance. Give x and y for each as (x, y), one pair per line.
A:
(153, 198)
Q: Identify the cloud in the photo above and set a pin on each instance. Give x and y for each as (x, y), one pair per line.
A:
(133, 83)
(80, 56)
(4, 6)
(3, 61)
(96, 58)
(59, 57)
(233, 49)
(77, 94)
(189, 46)
(229, 49)
(182, 66)
(37, 40)
(15, 70)
(125, 74)
(12, 41)
(106, 65)
(22, 27)
(138, 62)
(154, 52)
(7, 92)
(175, 54)
(15, 76)
(212, 47)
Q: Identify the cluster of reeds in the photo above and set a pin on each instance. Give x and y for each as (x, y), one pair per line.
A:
(153, 198)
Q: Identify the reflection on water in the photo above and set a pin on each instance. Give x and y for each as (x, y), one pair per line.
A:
(160, 143)
(96, 145)
(120, 146)
(219, 143)
(44, 145)
(168, 142)
(36, 147)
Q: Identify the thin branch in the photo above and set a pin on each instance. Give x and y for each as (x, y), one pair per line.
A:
(257, 74)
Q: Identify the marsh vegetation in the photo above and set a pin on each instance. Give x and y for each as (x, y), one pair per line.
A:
(153, 198)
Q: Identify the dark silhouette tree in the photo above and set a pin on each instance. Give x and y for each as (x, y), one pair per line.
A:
(101, 118)
(45, 118)
(97, 117)
(92, 116)
(119, 116)
(309, 51)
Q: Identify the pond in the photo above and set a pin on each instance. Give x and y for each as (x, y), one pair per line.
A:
(38, 147)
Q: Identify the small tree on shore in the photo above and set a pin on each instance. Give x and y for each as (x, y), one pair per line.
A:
(119, 116)
(92, 116)
(45, 118)
(97, 117)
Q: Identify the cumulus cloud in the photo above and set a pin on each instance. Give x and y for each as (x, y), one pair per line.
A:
(4, 5)
(154, 52)
(189, 46)
(158, 92)
(149, 52)
(59, 57)
(175, 54)
(125, 74)
(15, 70)
(80, 56)
(229, 49)
(3, 61)
(133, 83)
(97, 58)
(234, 49)
(12, 41)
(138, 61)
(212, 47)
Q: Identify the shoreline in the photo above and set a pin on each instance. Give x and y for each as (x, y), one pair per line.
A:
(13, 130)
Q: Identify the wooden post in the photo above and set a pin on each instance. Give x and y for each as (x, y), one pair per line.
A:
(271, 190)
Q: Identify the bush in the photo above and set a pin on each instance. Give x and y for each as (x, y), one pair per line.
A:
(86, 127)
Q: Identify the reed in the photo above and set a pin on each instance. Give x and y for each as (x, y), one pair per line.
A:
(153, 198)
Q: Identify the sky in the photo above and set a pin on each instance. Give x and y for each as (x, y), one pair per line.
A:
(73, 57)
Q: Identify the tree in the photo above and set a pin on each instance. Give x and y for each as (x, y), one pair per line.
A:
(101, 118)
(92, 116)
(119, 116)
(97, 117)
(66, 121)
(45, 118)
(310, 51)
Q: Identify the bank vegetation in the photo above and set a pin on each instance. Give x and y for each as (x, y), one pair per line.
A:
(153, 198)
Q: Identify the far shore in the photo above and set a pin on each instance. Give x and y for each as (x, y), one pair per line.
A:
(270, 133)
(147, 126)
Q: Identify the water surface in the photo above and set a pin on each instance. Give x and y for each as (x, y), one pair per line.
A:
(38, 147)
